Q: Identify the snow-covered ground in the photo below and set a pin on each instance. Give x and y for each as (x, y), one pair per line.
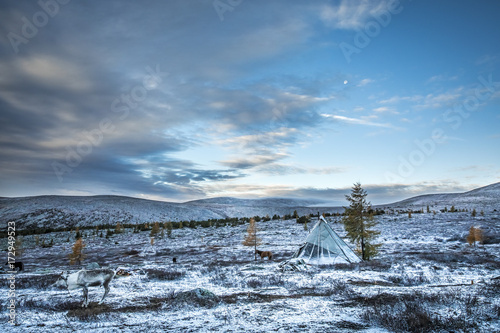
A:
(425, 276)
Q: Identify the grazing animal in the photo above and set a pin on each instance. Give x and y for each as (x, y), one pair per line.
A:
(19, 265)
(84, 279)
(264, 254)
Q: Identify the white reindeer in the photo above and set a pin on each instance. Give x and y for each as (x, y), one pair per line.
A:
(84, 279)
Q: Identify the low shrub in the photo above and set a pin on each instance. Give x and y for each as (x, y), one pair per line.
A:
(164, 275)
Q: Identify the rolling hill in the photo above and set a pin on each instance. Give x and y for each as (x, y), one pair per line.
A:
(70, 211)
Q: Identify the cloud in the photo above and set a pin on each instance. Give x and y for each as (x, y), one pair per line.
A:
(441, 78)
(254, 161)
(277, 169)
(377, 194)
(365, 82)
(384, 109)
(429, 101)
(359, 121)
(351, 15)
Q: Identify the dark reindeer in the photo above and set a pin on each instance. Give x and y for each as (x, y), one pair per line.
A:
(264, 254)
(19, 265)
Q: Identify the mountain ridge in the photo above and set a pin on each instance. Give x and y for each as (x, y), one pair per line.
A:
(56, 211)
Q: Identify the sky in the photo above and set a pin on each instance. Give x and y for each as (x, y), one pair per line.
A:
(182, 100)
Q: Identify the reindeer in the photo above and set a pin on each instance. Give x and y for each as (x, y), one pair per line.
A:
(84, 279)
(15, 265)
(264, 254)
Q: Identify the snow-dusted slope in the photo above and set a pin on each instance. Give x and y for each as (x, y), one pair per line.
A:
(483, 197)
(67, 211)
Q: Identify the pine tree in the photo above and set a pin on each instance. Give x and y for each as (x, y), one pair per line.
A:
(428, 209)
(452, 209)
(251, 238)
(77, 256)
(295, 214)
(474, 213)
(358, 223)
(169, 229)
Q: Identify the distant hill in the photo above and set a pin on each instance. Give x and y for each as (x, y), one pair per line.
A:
(54, 211)
(483, 198)
(69, 211)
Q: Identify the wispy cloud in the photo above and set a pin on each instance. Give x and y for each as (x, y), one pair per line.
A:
(359, 121)
(442, 78)
(351, 15)
(385, 109)
(365, 82)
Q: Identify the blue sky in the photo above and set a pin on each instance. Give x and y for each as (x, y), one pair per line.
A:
(182, 100)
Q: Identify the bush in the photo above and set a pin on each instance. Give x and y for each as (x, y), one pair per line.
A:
(254, 283)
(302, 219)
(164, 275)
(419, 312)
(199, 297)
(409, 280)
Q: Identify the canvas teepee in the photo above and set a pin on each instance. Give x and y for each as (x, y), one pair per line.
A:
(324, 246)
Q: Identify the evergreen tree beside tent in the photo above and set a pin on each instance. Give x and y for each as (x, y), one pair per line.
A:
(324, 246)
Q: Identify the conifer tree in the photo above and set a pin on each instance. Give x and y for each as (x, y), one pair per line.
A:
(77, 256)
(359, 223)
(251, 238)
(169, 229)
(474, 213)
(118, 228)
(428, 209)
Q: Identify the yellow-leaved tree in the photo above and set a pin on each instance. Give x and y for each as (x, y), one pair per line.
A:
(251, 238)
(77, 255)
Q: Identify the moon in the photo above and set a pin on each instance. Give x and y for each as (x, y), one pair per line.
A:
(345, 82)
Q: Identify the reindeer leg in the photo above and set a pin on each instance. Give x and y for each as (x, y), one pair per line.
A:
(85, 297)
(106, 291)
